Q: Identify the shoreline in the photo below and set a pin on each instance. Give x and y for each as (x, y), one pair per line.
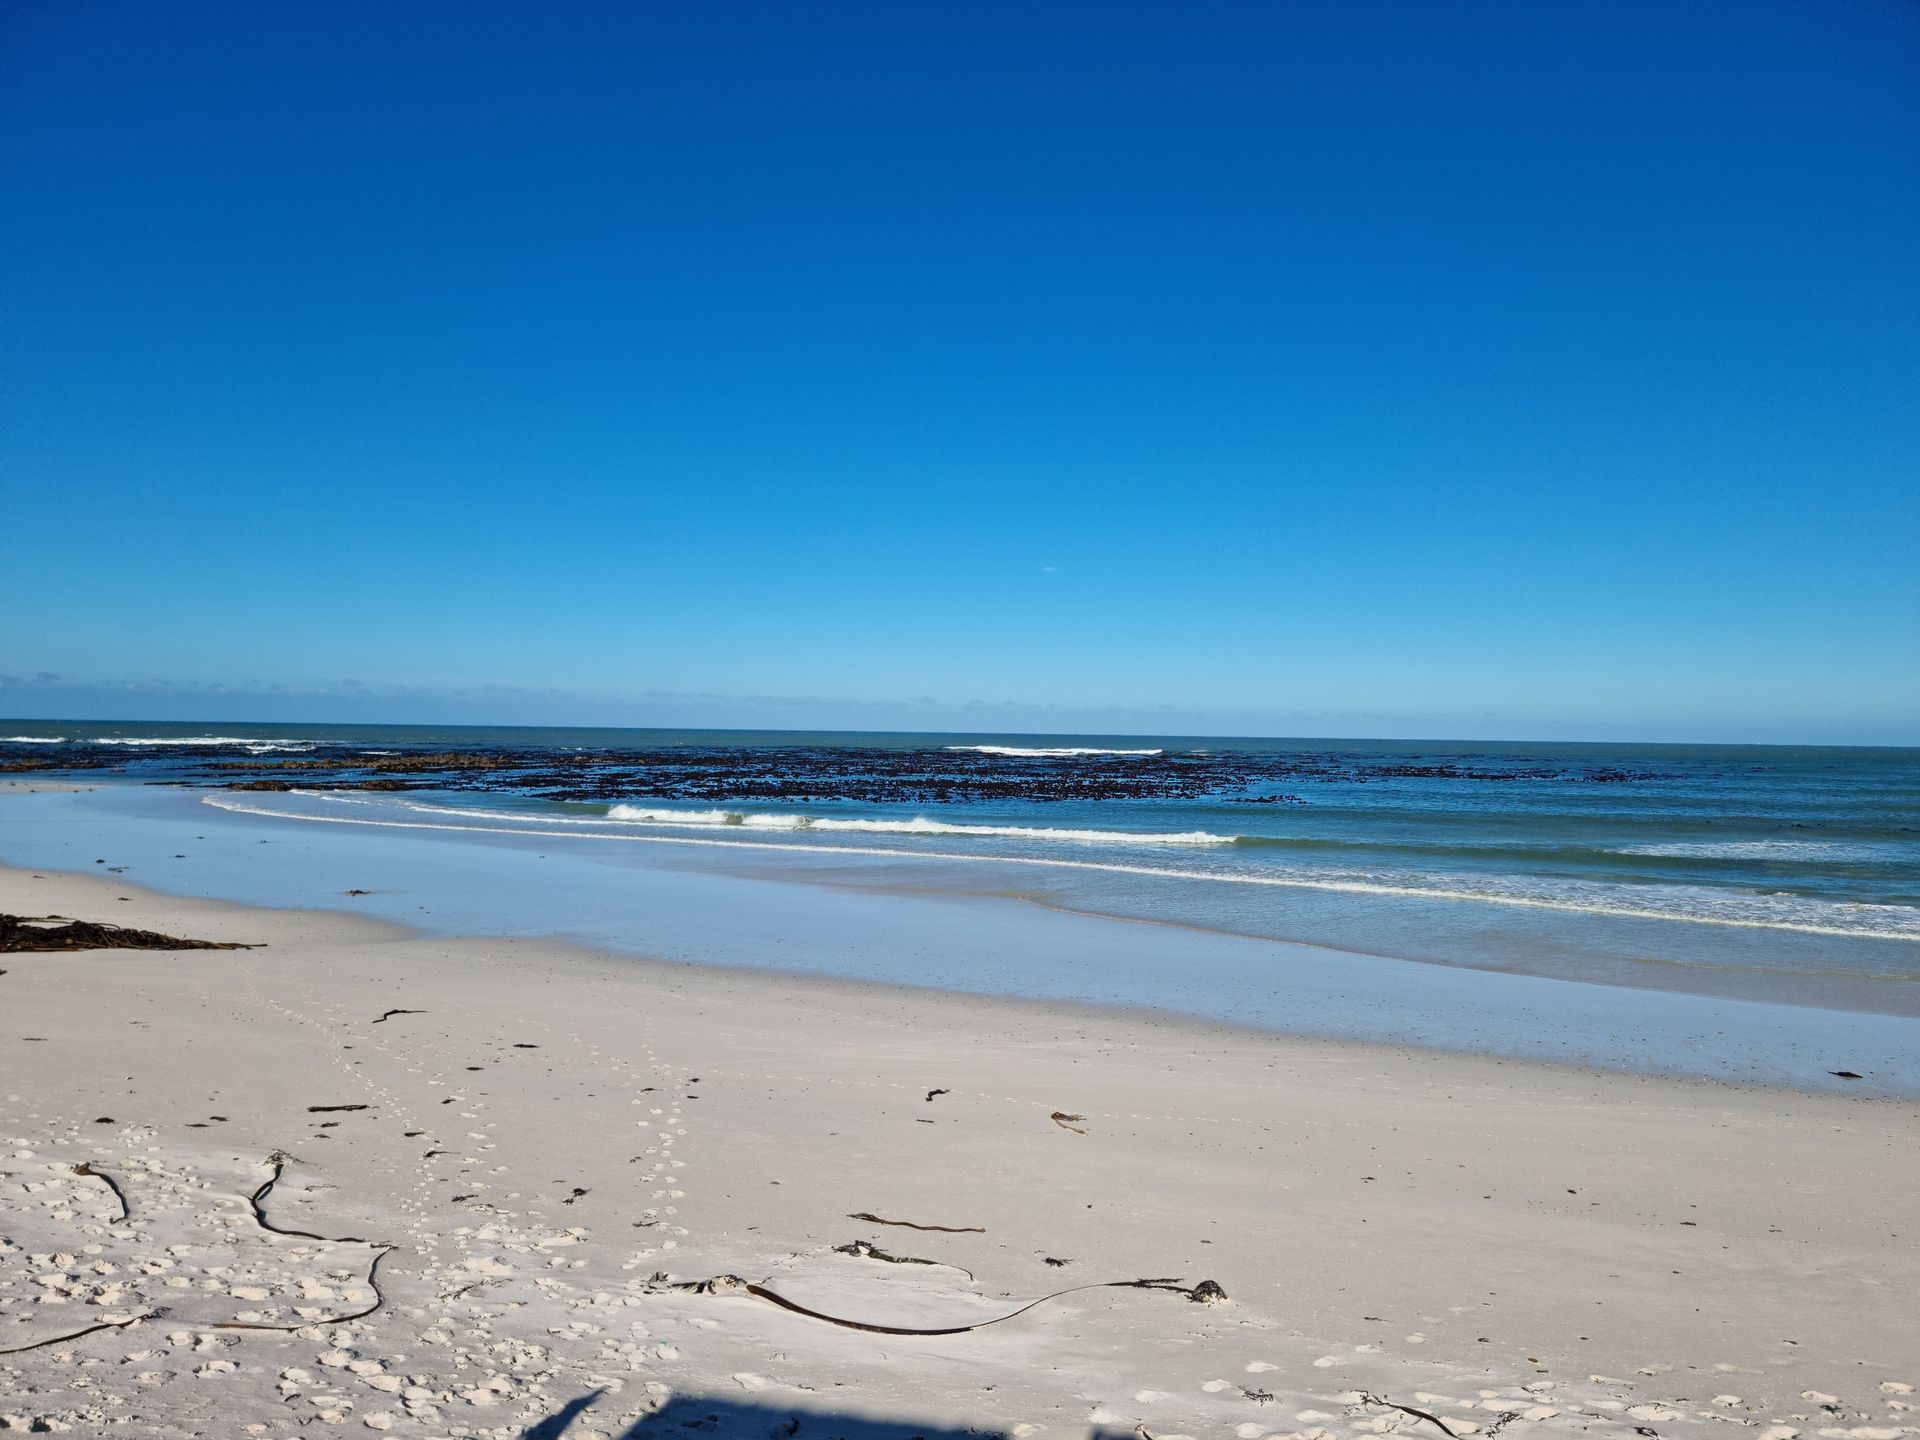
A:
(1403, 1216)
(643, 900)
(1196, 1028)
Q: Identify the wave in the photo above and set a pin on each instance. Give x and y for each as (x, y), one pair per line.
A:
(1047, 752)
(252, 747)
(1685, 905)
(1812, 850)
(747, 820)
(631, 815)
(204, 740)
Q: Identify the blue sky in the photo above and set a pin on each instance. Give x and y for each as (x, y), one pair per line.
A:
(1459, 369)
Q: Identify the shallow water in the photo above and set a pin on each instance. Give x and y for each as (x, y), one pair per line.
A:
(1781, 873)
(913, 921)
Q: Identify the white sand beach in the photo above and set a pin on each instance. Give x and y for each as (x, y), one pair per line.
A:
(545, 1147)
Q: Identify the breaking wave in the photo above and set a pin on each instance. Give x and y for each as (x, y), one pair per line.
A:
(1047, 752)
(1684, 904)
(814, 824)
(257, 747)
(1812, 850)
(155, 742)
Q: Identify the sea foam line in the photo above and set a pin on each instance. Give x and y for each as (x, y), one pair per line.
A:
(1289, 882)
(801, 824)
(256, 746)
(1047, 751)
(1784, 850)
(811, 824)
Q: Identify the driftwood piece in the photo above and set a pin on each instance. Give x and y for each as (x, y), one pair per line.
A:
(20, 933)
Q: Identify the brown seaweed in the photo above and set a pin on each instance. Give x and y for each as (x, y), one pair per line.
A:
(1205, 1293)
(86, 1168)
(20, 933)
(910, 1225)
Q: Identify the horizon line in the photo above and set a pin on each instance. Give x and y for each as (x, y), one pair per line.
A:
(951, 734)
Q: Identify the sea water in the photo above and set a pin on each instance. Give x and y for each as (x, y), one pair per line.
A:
(1782, 875)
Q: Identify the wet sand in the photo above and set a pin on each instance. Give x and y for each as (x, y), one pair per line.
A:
(544, 1147)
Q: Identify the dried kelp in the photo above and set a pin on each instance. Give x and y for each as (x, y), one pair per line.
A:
(81, 1334)
(257, 1200)
(1206, 1292)
(1366, 1398)
(373, 1282)
(19, 933)
(910, 1225)
(87, 1169)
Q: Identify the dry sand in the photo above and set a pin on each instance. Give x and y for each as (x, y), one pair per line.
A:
(552, 1141)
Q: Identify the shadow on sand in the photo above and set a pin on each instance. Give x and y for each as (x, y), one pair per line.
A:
(712, 1418)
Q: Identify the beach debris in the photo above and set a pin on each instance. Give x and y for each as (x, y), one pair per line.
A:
(734, 1285)
(1063, 1120)
(20, 933)
(256, 1201)
(332, 1109)
(373, 1283)
(932, 1093)
(86, 1168)
(1057, 1264)
(1846, 1074)
(81, 1334)
(391, 1013)
(867, 1250)
(910, 1225)
(577, 1193)
(1368, 1398)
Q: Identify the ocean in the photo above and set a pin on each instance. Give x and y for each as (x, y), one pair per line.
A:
(1782, 874)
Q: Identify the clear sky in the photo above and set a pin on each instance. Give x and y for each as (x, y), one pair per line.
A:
(1372, 369)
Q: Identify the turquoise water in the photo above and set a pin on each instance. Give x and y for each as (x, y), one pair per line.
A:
(1786, 874)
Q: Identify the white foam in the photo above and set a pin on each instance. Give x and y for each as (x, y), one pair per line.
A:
(819, 824)
(33, 739)
(1048, 751)
(1686, 906)
(632, 815)
(1754, 850)
(257, 747)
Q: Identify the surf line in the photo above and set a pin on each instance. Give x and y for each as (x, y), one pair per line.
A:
(1350, 887)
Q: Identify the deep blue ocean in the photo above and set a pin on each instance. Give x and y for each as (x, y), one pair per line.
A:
(1778, 873)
